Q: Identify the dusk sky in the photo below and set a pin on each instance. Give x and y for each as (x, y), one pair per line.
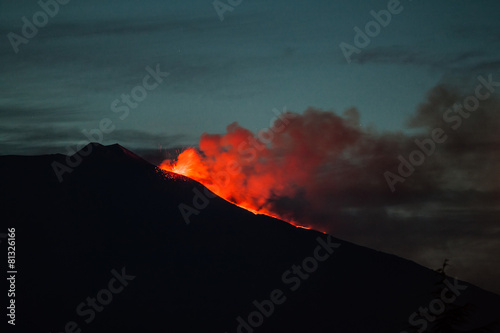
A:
(263, 55)
(267, 55)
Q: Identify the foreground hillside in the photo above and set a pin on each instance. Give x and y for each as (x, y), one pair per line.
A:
(108, 250)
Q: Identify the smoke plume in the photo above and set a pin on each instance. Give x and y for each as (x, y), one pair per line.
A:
(320, 169)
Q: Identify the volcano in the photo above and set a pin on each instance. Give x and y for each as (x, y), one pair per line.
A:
(108, 249)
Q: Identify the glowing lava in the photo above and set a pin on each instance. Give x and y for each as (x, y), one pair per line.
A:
(289, 171)
(191, 164)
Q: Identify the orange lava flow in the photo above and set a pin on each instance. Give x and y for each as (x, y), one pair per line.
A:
(251, 196)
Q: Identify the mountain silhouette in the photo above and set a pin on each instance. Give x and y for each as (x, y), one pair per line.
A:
(112, 230)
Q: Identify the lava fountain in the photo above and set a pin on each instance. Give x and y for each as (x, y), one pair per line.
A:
(280, 170)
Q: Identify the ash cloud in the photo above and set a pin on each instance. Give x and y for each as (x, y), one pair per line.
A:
(325, 171)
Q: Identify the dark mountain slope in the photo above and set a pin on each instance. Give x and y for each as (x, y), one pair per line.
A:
(115, 211)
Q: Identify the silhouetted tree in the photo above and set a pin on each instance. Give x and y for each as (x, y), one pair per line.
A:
(456, 315)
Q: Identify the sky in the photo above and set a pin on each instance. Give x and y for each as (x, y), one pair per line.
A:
(261, 56)
(282, 54)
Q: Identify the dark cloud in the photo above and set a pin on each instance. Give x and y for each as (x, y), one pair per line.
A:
(466, 61)
(23, 114)
(32, 139)
(448, 208)
(325, 171)
(461, 172)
